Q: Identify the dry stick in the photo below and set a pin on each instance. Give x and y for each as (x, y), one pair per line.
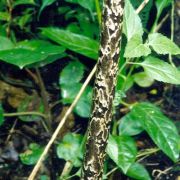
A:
(38, 164)
(161, 23)
(44, 96)
(143, 4)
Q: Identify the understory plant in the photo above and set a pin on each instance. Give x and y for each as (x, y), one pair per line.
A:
(146, 57)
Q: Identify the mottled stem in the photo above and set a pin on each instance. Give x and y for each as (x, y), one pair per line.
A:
(104, 88)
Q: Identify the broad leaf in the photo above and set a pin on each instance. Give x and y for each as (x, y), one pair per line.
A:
(162, 45)
(69, 92)
(70, 85)
(143, 79)
(132, 23)
(130, 125)
(137, 171)
(85, 4)
(136, 48)
(70, 149)
(124, 83)
(161, 71)
(35, 53)
(159, 127)
(4, 16)
(23, 2)
(119, 94)
(31, 155)
(72, 73)
(83, 107)
(75, 42)
(122, 150)
(1, 115)
(45, 3)
(5, 43)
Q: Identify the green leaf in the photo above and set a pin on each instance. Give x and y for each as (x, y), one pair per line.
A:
(122, 150)
(70, 149)
(144, 13)
(132, 23)
(130, 125)
(23, 2)
(143, 79)
(83, 107)
(34, 53)
(119, 94)
(135, 48)
(137, 171)
(162, 45)
(160, 5)
(69, 92)
(159, 127)
(45, 3)
(75, 42)
(72, 73)
(4, 16)
(70, 86)
(161, 71)
(89, 5)
(124, 83)
(31, 156)
(5, 43)
(1, 115)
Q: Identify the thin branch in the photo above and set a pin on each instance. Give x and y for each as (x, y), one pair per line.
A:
(44, 96)
(30, 113)
(38, 164)
(142, 5)
(11, 132)
(161, 23)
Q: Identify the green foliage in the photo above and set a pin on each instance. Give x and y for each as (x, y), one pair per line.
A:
(143, 79)
(89, 5)
(5, 43)
(136, 48)
(70, 149)
(45, 3)
(70, 85)
(160, 5)
(78, 33)
(31, 53)
(132, 23)
(23, 2)
(75, 42)
(162, 45)
(137, 171)
(160, 128)
(122, 150)
(144, 14)
(74, 68)
(31, 155)
(130, 125)
(161, 71)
